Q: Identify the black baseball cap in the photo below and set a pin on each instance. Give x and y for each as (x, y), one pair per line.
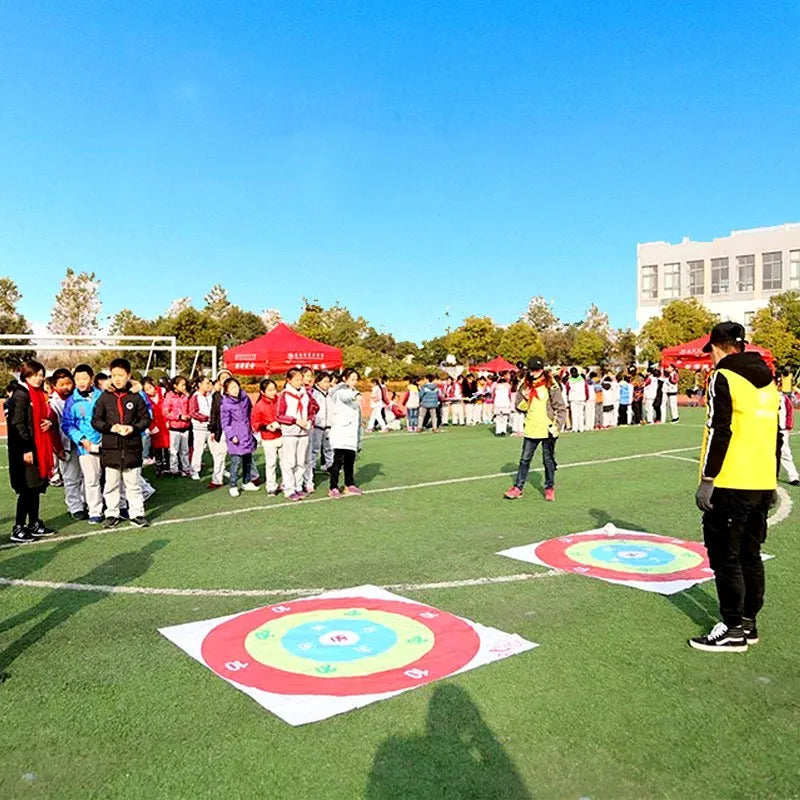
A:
(535, 363)
(724, 333)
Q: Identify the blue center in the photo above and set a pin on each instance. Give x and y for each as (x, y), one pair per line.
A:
(635, 554)
(339, 639)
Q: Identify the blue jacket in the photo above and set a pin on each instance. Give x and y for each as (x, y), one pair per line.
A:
(76, 420)
(429, 395)
(625, 393)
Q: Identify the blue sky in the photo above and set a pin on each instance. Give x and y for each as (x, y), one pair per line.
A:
(400, 157)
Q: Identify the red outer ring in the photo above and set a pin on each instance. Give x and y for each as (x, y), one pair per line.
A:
(455, 645)
(553, 553)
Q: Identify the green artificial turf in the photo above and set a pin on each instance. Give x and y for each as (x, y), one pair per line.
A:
(612, 705)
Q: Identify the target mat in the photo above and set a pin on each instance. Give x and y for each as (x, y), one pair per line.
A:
(661, 564)
(308, 659)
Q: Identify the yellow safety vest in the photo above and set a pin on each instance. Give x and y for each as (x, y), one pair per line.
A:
(537, 423)
(786, 384)
(750, 462)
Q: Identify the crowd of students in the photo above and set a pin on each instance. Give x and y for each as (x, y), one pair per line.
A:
(93, 433)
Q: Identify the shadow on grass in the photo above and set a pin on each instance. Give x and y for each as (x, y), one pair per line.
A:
(699, 606)
(32, 559)
(367, 473)
(61, 604)
(456, 757)
(602, 518)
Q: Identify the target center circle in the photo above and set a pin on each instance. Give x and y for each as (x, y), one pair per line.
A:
(339, 638)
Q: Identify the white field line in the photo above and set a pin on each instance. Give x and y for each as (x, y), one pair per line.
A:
(278, 506)
(781, 513)
(680, 458)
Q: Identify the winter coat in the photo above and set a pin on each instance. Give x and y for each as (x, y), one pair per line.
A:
(265, 412)
(76, 420)
(214, 422)
(176, 407)
(429, 395)
(235, 420)
(344, 410)
(159, 433)
(121, 408)
(21, 440)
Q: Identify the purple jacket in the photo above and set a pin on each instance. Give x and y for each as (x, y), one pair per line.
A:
(235, 419)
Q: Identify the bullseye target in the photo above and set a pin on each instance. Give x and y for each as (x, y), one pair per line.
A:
(311, 658)
(647, 561)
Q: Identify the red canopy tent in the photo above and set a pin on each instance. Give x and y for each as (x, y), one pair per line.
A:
(278, 351)
(498, 364)
(690, 355)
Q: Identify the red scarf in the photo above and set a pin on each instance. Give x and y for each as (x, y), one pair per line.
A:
(43, 440)
(540, 383)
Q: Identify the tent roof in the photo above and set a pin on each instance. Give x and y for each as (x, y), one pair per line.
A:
(691, 353)
(278, 351)
(498, 364)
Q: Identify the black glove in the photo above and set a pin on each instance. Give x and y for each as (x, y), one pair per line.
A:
(703, 495)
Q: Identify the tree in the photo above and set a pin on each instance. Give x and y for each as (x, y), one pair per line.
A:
(786, 307)
(540, 315)
(773, 332)
(476, 340)
(216, 301)
(590, 348)
(177, 306)
(680, 321)
(335, 325)
(596, 320)
(520, 341)
(237, 326)
(405, 349)
(624, 350)
(126, 323)
(11, 321)
(558, 342)
(77, 305)
(434, 351)
(271, 317)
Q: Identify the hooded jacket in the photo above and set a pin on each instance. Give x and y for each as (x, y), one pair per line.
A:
(76, 419)
(741, 441)
(235, 420)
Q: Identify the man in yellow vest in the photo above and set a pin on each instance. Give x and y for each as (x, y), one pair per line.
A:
(738, 478)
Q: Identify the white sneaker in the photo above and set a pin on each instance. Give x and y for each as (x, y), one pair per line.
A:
(195, 476)
(250, 487)
(234, 491)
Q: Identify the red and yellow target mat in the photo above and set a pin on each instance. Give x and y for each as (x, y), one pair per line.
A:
(661, 564)
(309, 659)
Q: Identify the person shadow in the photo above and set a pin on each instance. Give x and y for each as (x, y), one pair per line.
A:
(698, 605)
(61, 604)
(367, 473)
(32, 559)
(603, 518)
(458, 757)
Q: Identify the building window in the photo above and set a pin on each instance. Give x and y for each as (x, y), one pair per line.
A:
(748, 318)
(746, 273)
(794, 269)
(720, 279)
(772, 264)
(650, 281)
(672, 280)
(697, 277)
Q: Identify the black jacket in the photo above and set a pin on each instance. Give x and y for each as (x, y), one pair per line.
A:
(214, 419)
(125, 408)
(21, 440)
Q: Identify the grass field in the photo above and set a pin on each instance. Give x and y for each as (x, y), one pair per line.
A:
(612, 705)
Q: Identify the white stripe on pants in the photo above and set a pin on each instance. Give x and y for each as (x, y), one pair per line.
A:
(73, 482)
(91, 471)
(200, 438)
(787, 462)
(293, 463)
(271, 448)
(178, 451)
(219, 452)
(578, 414)
(133, 491)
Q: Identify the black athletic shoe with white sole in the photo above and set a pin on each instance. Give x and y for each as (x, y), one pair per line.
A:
(21, 535)
(111, 522)
(750, 630)
(139, 522)
(721, 639)
(40, 530)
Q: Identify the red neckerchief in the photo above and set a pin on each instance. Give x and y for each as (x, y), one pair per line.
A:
(43, 440)
(540, 383)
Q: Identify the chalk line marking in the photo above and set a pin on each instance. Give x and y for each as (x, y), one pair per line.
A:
(279, 506)
(680, 458)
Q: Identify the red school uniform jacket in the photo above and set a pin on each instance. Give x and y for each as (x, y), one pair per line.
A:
(175, 406)
(159, 433)
(265, 412)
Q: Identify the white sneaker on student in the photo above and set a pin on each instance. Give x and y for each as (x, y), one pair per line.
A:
(234, 491)
(250, 487)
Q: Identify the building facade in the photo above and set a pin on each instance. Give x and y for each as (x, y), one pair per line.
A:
(734, 276)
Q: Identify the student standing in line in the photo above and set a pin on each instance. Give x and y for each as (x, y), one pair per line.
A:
(264, 421)
(429, 400)
(411, 402)
(671, 379)
(76, 423)
(637, 395)
(541, 400)
(31, 442)
(120, 415)
(200, 412)
(159, 433)
(650, 395)
(457, 401)
(502, 404)
(235, 411)
(319, 444)
(625, 399)
(376, 407)
(786, 423)
(296, 415)
(577, 397)
(345, 414)
(216, 437)
(179, 421)
(63, 387)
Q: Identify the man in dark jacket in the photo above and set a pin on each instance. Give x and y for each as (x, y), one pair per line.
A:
(121, 416)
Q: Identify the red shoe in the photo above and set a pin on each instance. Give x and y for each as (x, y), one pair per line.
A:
(213, 485)
(550, 495)
(513, 493)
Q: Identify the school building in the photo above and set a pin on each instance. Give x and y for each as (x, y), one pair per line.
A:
(734, 276)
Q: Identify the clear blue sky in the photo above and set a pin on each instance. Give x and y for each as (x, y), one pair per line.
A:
(400, 157)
